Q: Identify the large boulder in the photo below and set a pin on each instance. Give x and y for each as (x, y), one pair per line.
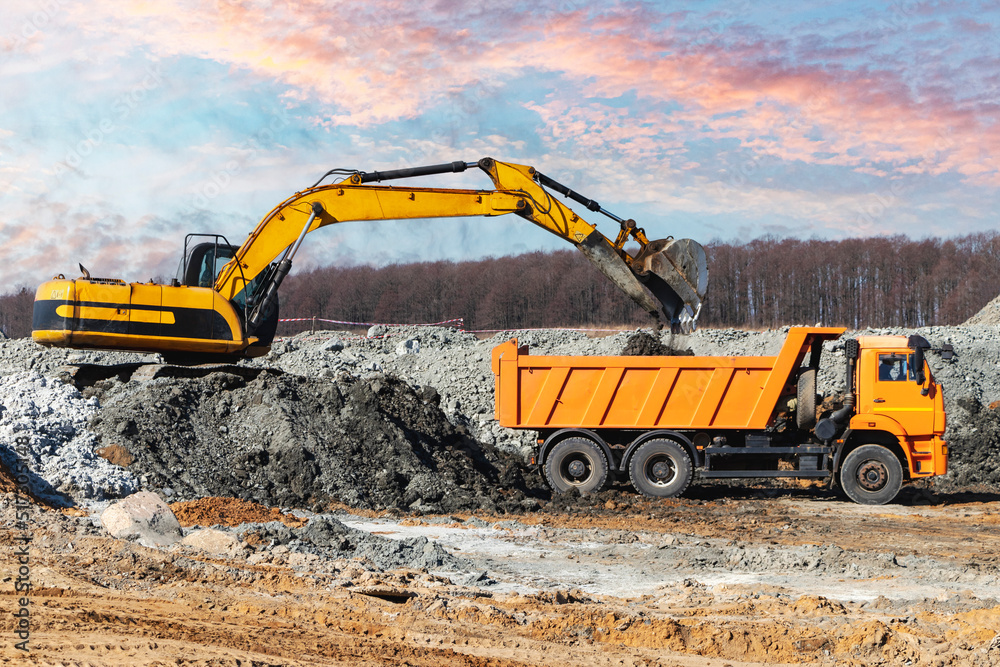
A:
(144, 518)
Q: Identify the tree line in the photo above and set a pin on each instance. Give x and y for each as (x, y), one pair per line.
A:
(767, 282)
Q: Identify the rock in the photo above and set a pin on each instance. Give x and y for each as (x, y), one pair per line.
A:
(408, 346)
(332, 345)
(142, 517)
(306, 561)
(215, 542)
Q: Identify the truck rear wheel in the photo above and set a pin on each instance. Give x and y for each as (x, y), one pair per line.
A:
(660, 468)
(576, 463)
(871, 475)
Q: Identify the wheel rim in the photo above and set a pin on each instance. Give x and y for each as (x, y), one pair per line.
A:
(873, 475)
(577, 470)
(660, 470)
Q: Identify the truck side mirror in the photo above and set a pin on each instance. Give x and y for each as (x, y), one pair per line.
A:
(918, 344)
(947, 352)
(918, 363)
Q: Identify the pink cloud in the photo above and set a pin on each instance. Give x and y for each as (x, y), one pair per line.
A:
(395, 60)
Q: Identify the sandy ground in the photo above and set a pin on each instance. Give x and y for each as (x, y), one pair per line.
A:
(723, 578)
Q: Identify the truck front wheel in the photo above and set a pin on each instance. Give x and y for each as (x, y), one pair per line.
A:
(660, 468)
(871, 475)
(576, 463)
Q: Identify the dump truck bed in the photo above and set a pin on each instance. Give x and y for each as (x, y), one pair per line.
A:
(546, 392)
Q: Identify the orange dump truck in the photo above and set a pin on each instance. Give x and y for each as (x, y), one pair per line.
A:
(658, 419)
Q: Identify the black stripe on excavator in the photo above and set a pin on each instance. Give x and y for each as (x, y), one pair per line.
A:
(376, 176)
(188, 322)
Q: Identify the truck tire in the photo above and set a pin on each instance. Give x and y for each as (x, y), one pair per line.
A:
(660, 468)
(871, 475)
(805, 400)
(576, 463)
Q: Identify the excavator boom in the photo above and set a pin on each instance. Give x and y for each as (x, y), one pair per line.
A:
(235, 316)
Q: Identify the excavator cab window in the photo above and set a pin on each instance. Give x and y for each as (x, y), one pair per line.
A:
(203, 261)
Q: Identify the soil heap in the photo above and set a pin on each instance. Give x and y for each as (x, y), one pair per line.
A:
(645, 344)
(293, 441)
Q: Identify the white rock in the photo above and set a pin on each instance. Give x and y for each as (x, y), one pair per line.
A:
(143, 517)
(215, 542)
(408, 346)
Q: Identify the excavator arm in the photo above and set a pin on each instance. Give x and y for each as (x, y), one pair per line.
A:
(665, 277)
(191, 320)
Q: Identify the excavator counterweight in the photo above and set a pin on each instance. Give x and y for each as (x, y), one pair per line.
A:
(226, 312)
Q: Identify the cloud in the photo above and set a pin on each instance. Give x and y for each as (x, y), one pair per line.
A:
(720, 118)
(368, 64)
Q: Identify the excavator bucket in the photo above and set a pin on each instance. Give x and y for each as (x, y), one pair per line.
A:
(667, 277)
(676, 272)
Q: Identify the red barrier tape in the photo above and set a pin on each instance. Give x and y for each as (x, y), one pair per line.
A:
(459, 320)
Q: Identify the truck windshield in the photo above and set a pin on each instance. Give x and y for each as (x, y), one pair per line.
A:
(896, 368)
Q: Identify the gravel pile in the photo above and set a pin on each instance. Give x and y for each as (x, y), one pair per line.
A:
(989, 315)
(53, 417)
(326, 537)
(23, 354)
(402, 418)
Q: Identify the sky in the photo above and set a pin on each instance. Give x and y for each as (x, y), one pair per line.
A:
(125, 125)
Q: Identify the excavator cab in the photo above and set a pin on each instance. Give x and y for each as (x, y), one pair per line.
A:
(200, 267)
(202, 262)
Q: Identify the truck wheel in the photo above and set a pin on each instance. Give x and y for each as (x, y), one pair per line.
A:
(576, 463)
(871, 475)
(805, 399)
(660, 468)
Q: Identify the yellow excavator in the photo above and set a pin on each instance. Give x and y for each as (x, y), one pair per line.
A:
(223, 305)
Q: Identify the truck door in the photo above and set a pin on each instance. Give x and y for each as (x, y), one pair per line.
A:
(889, 387)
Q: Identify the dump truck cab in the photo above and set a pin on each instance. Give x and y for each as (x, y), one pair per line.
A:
(657, 420)
(898, 405)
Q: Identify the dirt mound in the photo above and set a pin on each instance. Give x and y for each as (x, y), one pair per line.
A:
(291, 441)
(990, 314)
(974, 456)
(644, 344)
(229, 512)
